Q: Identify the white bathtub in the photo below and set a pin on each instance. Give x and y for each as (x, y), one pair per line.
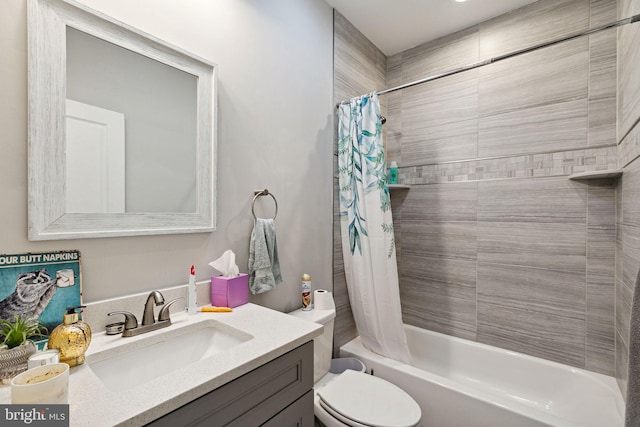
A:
(463, 383)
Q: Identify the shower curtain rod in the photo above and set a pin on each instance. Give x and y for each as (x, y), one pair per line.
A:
(630, 20)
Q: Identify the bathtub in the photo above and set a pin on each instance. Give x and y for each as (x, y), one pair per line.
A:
(463, 383)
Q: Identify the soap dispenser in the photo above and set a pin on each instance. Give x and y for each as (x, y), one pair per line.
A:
(71, 338)
(393, 173)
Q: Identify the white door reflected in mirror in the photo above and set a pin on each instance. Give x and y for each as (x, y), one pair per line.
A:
(168, 99)
(95, 165)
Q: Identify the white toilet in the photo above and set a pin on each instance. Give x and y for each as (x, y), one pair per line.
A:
(352, 397)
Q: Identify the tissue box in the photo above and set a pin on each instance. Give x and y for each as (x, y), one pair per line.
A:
(229, 291)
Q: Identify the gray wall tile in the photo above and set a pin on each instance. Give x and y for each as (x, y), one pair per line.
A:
(535, 244)
(600, 334)
(552, 292)
(357, 67)
(393, 128)
(601, 247)
(602, 68)
(602, 121)
(630, 256)
(450, 307)
(627, 258)
(603, 12)
(440, 239)
(555, 127)
(631, 195)
(394, 70)
(449, 52)
(397, 199)
(555, 74)
(553, 337)
(437, 203)
(520, 308)
(628, 65)
(624, 295)
(450, 100)
(629, 147)
(536, 23)
(622, 363)
(544, 200)
(423, 144)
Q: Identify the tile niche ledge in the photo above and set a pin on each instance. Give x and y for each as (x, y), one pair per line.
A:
(601, 174)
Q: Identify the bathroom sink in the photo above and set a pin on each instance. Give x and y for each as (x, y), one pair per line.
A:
(139, 361)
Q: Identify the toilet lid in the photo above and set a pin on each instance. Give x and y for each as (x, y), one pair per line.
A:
(369, 401)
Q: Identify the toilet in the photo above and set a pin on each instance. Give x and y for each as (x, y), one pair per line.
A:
(344, 395)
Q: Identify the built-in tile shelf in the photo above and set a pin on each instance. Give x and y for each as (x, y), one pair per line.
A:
(603, 174)
(399, 187)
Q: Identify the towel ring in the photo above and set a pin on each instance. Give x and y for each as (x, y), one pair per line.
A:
(259, 193)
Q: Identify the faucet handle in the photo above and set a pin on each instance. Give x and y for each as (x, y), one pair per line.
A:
(165, 312)
(130, 321)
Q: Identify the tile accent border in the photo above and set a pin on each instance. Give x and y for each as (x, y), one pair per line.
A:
(629, 148)
(559, 163)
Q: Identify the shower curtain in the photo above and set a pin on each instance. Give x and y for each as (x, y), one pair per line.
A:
(367, 230)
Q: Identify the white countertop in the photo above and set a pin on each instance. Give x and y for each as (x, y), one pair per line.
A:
(91, 403)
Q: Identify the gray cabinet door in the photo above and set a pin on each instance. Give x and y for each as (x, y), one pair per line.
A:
(255, 398)
(295, 415)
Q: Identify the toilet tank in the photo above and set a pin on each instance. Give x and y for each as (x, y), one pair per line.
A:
(322, 344)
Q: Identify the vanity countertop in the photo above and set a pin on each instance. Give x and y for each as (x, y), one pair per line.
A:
(91, 403)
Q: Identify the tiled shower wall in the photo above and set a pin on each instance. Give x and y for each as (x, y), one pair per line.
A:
(495, 243)
(628, 190)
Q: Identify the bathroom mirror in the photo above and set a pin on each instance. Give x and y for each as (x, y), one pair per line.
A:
(121, 129)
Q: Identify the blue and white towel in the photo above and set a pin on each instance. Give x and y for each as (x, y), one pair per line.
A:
(264, 267)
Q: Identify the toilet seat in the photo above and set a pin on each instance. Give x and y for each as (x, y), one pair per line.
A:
(362, 400)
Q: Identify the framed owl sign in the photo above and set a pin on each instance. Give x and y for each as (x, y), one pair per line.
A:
(40, 286)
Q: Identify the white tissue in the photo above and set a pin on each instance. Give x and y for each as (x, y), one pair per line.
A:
(226, 264)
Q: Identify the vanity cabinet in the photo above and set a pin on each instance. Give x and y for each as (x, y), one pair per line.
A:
(276, 394)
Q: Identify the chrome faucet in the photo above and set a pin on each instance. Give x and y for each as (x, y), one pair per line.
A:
(148, 317)
(149, 323)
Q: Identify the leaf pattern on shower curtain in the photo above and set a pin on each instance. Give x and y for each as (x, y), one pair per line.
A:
(361, 165)
(366, 226)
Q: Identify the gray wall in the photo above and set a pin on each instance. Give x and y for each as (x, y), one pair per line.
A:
(628, 190)
(495, 243)
(275, 131)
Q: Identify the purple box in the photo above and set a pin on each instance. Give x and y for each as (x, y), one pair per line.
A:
(229, 291)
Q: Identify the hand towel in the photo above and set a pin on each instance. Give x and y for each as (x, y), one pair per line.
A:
(632, 414)
(264, 267)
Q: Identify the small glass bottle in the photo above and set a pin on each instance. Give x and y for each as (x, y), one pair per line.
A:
(71, 338)
(393, 173)
(306, 292)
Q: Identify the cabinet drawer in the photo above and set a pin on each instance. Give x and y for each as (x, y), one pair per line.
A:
(298, 414)
(253, 398)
